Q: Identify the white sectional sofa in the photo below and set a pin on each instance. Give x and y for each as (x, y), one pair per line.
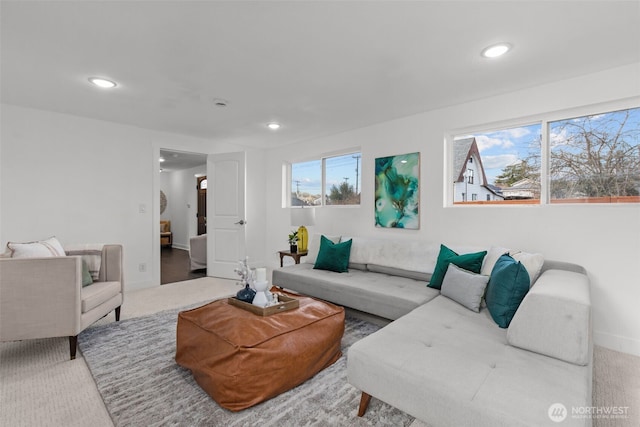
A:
(447, 365)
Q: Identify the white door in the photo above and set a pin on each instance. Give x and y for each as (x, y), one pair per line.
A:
(225, 211)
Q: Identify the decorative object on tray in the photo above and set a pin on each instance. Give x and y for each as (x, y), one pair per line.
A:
(280, 303)
(397, 192)
(245, 294)
(262, 297)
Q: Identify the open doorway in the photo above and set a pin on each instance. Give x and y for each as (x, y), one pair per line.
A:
(202, 204)
(181, 215)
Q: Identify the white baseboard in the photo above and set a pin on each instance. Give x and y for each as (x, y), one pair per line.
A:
(617, 343)
(134, 286)
(180, 246)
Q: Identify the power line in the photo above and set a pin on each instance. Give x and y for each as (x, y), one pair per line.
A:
(357, 157)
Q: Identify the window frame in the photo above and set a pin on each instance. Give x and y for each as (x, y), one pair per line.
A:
(288, 178)
(544, 119)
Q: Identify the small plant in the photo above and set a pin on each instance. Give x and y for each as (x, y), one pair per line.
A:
(293, 237)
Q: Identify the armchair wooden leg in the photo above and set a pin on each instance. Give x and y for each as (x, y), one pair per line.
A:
(364, 403)
(73, 345)
(118, 313)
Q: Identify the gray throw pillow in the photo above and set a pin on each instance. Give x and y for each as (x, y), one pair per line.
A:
(464, 287)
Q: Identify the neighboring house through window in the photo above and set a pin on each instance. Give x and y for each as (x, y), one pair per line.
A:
(591, 159)
(467, 166)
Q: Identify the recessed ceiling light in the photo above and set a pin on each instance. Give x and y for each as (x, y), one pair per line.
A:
(273, 126)
(161, 159)
(103, 83)
(496, 50)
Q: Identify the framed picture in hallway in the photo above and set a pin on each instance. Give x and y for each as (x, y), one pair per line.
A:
(397, 191)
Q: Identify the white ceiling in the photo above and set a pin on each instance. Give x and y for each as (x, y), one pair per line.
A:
(180, 160)
(318, 67)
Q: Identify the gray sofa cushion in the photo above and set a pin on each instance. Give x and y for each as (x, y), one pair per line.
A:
(386, 296)
(559, 301)
(416, 275)
(450, 366)
(410, 255)
(357, 266)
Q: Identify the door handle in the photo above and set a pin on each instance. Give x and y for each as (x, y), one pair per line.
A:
(241, 222)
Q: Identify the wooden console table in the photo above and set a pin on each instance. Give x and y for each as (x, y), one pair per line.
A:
(295, 255)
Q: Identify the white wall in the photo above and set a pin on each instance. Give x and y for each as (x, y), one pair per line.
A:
(603, 238)
(88, 181)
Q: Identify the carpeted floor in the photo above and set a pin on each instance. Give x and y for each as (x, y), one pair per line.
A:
(40, 386)
(142, 385)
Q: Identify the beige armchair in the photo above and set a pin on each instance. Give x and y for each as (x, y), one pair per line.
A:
(44, 297)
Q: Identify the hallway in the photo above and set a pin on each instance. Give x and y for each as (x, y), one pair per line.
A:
(174, 266)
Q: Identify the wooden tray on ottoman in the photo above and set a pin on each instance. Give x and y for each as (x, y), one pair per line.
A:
(287, 303)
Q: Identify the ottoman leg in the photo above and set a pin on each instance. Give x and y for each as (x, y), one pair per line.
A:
(364, 403)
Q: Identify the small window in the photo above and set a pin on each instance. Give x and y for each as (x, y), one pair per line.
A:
(596, 158)
(469, 174)
(341, 184)
(343, 180)
(306, 183)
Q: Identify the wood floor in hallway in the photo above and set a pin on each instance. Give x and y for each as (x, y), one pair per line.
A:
(174, 266)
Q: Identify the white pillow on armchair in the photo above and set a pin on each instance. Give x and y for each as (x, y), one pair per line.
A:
(39, 249)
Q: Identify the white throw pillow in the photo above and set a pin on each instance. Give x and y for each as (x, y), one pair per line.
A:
(314, 247)
(532, 263)
(464, 287)
(41, 249)
(490, 259)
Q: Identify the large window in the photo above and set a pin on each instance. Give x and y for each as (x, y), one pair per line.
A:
(595, 159)
(341, 184)
(501, 166)
(591, 159)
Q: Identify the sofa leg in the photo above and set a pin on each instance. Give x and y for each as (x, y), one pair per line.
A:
(364, 403)
(118, 313)
(73, 345)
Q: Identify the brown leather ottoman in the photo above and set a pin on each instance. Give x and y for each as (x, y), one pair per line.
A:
(241, 359)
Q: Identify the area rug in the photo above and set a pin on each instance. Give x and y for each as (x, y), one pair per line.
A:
(132, 363)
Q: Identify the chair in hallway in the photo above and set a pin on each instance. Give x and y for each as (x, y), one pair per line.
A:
(166, 235)
(198, 252)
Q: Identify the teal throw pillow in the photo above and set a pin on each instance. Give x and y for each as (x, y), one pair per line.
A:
(508, 285)
(333, 256)
(86, 275)
(470, 262)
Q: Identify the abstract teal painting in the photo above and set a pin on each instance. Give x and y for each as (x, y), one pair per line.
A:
(397, 191)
